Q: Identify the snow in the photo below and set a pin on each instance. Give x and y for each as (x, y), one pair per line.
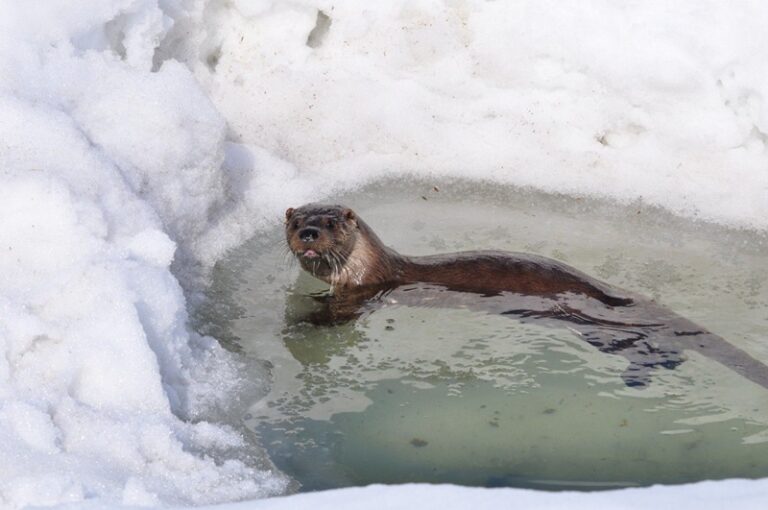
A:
(107, 173)
(737, 494)
(141, 139)
(742, 494)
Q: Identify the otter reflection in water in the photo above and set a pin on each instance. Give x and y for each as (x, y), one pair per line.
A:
(333, 244)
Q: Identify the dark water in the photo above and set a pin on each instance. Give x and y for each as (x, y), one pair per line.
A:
(424, 394)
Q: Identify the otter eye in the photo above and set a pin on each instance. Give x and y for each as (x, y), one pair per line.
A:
(296, 224)
(330, 223)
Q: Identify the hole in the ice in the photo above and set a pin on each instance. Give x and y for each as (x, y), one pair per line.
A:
(318, 33)
(409, 394)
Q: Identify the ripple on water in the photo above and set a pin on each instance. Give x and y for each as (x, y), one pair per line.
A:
(427, 394)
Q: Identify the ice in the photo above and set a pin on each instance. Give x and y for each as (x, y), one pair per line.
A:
(141, 139)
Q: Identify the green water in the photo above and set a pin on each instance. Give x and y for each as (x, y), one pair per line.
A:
(415, 394)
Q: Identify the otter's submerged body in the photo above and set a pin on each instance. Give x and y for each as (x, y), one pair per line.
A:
(336, 246)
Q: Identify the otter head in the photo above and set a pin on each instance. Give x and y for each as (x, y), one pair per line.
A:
(322, 237)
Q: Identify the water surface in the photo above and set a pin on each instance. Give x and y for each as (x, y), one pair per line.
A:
(425, 394)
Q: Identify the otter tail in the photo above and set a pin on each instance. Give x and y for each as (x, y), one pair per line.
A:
(725, 353)
(661, 343)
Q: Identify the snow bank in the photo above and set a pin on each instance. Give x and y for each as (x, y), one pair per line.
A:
(740, 494)
(140, 139)
(644, 100)
(107, 172)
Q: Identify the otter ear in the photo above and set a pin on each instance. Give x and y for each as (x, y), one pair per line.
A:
(288, 213)
(349, 215)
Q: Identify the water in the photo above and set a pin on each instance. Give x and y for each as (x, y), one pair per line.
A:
(417, 394)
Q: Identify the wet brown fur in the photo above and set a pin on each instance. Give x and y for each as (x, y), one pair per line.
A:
(366, 261)
(351, 258)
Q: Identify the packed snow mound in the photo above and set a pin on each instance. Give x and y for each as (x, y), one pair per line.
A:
(741, 494)
(107, 171)
(658, 101)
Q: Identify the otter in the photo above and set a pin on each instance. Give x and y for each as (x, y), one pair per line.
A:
(332, 243)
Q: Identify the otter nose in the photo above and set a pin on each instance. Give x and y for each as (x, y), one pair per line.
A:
(309, 234)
